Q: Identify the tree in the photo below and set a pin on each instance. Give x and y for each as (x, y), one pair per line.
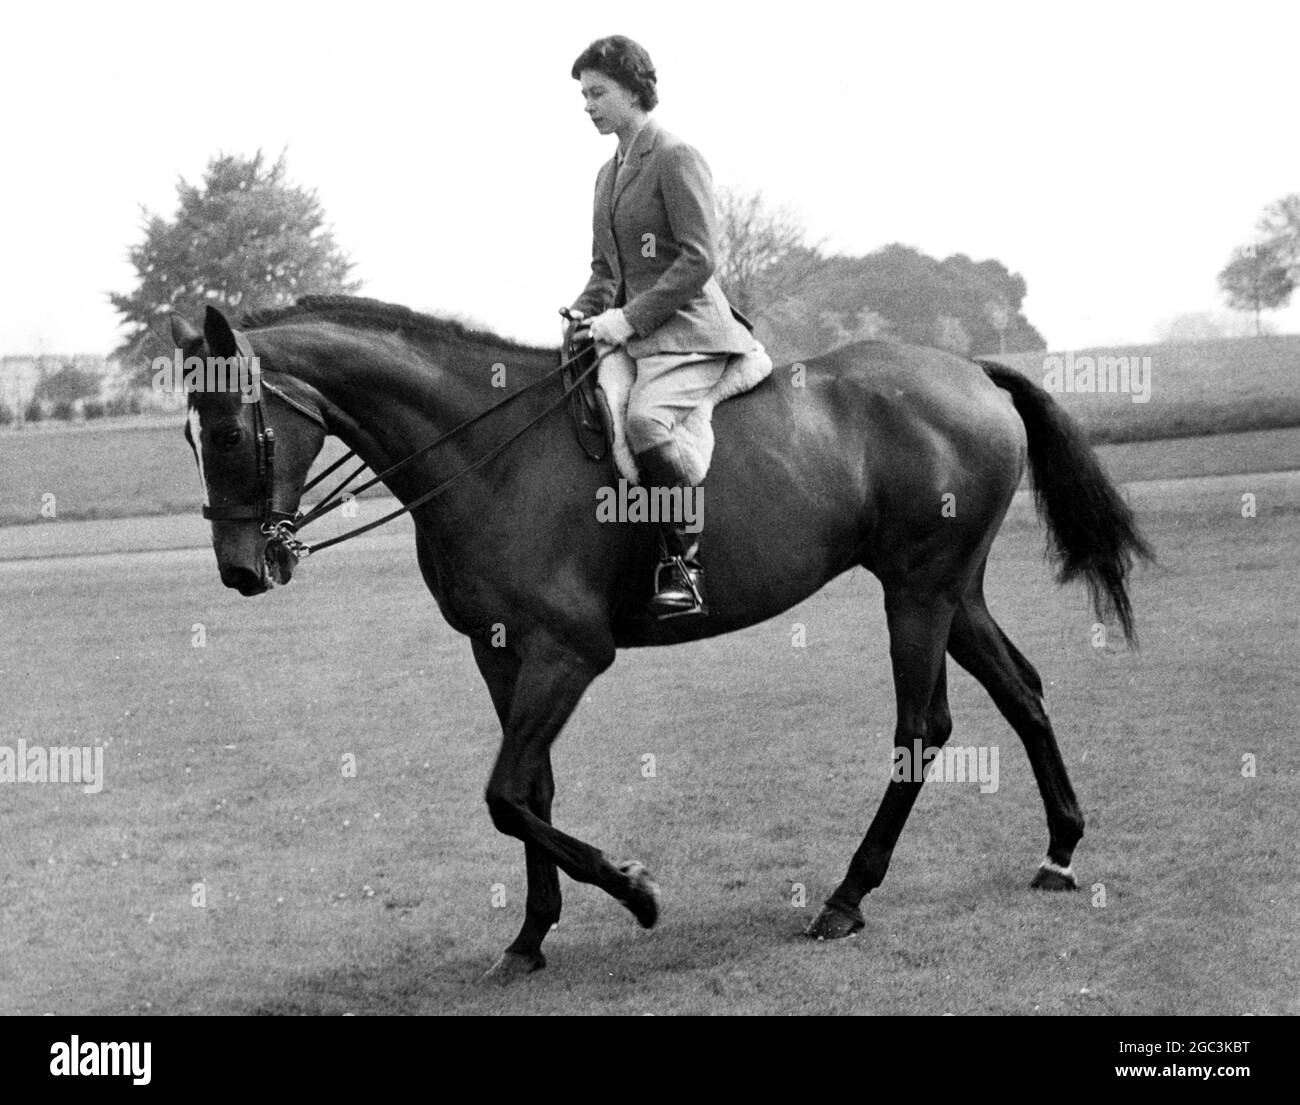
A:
(950, 334)
(866, 325)
(1255, 279)
(899, 292)
(243, 240)
(764, 257)
(1280, 229)
(986, 298)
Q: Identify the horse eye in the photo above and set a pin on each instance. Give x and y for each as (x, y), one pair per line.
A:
(227, 438)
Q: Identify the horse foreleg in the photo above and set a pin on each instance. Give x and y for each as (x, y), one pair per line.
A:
(524, 955)
(519, 792)
(500, 670)
(918, 634)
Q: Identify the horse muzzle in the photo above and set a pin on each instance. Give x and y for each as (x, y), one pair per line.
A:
(253, 567)
(247, 581)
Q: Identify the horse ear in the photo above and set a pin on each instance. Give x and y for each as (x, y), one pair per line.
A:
(184, 334)
(219, 335)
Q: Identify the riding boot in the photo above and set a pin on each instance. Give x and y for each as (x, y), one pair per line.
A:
(679, 576)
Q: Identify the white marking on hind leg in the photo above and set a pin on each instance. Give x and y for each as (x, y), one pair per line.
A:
(1056, 868)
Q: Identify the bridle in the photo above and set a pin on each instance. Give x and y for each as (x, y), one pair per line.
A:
(281, 527)
(262, 508)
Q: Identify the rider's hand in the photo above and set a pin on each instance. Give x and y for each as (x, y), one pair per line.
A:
(611, 327)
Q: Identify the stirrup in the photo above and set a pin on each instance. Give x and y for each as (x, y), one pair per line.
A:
(680, 596)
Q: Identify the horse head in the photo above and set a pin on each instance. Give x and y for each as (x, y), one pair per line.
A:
(253, 453)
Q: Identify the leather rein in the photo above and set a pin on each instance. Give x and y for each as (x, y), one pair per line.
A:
(282, 526)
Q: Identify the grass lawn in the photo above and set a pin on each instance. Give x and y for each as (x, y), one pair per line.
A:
(327, 894)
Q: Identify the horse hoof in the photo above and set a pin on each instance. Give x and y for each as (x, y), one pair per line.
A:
(1052, 876)
(643, 893)
(513, 965)
(835, 923)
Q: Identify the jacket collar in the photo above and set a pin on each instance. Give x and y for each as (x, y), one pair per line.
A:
(641, 146)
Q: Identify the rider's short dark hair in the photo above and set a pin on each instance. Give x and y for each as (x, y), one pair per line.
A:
(624, 61)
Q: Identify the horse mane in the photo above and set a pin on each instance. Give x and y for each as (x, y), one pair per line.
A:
(375, 314)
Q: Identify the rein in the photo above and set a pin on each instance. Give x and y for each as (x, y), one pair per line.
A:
(281, 527)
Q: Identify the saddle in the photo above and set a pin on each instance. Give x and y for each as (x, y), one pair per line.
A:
(593, 422)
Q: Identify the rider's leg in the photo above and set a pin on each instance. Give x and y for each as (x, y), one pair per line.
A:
(668, 387)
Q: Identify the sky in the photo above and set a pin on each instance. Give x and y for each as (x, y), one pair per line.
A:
(1114, 154)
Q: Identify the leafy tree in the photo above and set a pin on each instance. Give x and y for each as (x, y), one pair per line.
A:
(1280, 228)
(1256, 279)
(244, 239)
(900, 293)
(950, 334)
(986, 298)
(865, 326)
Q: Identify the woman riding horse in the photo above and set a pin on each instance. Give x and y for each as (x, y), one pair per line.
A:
(652, 290)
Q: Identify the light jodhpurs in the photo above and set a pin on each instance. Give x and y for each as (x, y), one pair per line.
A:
(668, 387)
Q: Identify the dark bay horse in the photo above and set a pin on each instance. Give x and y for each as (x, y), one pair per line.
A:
(899, 459)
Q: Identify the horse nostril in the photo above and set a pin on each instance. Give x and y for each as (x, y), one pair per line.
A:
(244, 580)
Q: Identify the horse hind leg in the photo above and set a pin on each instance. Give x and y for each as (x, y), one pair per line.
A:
(978, 644)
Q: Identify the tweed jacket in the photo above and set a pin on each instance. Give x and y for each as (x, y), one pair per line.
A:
(654, 250)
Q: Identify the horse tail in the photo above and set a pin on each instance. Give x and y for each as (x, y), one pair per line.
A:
(1091, 529)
